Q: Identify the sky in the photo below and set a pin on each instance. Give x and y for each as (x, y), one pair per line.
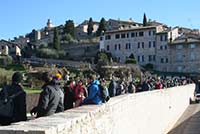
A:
(19, 17)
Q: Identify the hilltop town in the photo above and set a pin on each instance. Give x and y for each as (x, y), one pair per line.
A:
(151, 44)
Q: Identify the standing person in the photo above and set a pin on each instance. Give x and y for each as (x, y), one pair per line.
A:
(69, 95)
(112, 88)
(105, 93)
(94, 96)
(79, 93)
(131, 88)
(19, 100)
(159, 84)
(51, 98)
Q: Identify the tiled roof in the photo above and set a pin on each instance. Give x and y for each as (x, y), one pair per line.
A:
(185, 41)
(10, 42)
(131, 29)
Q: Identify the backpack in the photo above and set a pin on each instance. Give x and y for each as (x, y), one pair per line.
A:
(7, 104)
(104, 95)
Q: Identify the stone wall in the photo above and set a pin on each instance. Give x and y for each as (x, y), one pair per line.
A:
(153, 112)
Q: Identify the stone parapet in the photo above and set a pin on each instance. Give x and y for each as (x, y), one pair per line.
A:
(153, 112)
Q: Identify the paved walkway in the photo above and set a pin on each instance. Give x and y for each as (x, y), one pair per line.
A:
(189, 123)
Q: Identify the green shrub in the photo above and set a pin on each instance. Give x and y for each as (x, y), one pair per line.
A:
(5, 76)
(131, 61)
(6, 60)
(50, 53)
(47, 53)
(149, 66)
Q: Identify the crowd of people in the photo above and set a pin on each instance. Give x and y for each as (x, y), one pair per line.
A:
(56, 97)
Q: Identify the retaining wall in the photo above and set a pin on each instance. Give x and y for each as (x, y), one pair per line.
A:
(153, 112)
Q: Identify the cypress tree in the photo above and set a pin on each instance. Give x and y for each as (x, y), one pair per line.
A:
(69, 28)
(90, 27)
(102, 27)
(144, 20)
(56, 39)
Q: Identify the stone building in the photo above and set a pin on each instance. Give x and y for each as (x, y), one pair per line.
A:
(184, 55)
(113, 24)
(166, 48)
(9, 48)
(81, 29)
(21, 40)
(162, 48)
(141, 41)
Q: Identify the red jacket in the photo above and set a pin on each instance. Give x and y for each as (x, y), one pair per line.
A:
(79, 92)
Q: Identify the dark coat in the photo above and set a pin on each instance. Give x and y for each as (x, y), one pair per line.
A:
(69, 97)
(19, 104)
(51, 100)
(112, 88)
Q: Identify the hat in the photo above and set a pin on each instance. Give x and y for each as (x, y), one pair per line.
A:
(58, 76)
(17, 77)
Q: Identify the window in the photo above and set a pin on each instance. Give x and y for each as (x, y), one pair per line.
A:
(119, 46)
(141, 34)
(162, 60)
(108, 37)
(119, 59)
(139, 59)
(154, 44)
(179, 46)
(132, 34)
(165, 37)
(167, 60)
(154, 57)
(165, 47)
(129, 46)
(192, 56)
(149, 44)
(116, 36)
(161, 38)
(179, 56)
(149, 33)
(154, 32)
(101, 38)
(161, 47)
(123, 36)
(3, 47)
(192, 45)
(142, 44)
(142, 58)
(127, 35)
(115, 46)
(150, 58)
(108, 47)
(138, 44)
(126, 45)
(136, 34)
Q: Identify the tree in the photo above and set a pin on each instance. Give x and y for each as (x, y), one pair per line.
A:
(144, 20)
(132, 56)
(56, 39)
(69, 28)
(90, 27)
(102, 27)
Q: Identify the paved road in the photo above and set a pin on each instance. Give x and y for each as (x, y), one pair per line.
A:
(189, 123)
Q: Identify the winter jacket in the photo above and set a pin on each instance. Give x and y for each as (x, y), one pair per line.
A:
(69, 97)
(94, 96)
(19, 104)
(112, 88)
(51, 100)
